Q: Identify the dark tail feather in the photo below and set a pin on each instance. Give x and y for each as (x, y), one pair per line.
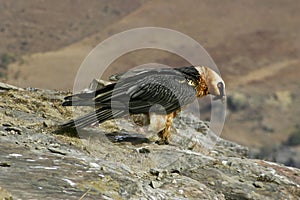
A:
(82, 99)
(67, 103)
(87, 98)
(99, 116)
(78, 103)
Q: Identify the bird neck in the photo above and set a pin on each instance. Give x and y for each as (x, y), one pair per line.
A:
(202, 88)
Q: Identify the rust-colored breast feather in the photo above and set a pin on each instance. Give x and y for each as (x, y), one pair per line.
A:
(202, 88)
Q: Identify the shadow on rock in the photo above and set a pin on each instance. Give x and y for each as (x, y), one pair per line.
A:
(133, 138)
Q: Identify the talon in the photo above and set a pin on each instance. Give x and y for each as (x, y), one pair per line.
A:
(165, 137)
(162, 142)
(167, 142)
(159, 142)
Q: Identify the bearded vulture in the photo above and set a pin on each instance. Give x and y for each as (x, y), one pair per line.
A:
(171, 88)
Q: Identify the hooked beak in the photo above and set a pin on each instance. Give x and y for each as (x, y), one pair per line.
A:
(222, 95)
(222, 98)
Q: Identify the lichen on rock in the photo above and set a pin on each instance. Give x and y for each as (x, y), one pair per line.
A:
(122, 162)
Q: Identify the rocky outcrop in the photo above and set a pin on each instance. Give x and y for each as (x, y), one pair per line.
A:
(118, 160)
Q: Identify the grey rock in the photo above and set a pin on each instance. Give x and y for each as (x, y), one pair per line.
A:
(5, 164)
(2, 133)
(211, 183)
(57, 150)
(4, 194)
(13, 130)
(155, 184)
(258, 184)
(7, 124)
(40, 147)
(154, 172)
(104, 162)
(5, 86)
(143, 150)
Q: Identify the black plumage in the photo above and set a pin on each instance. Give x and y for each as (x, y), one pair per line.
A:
(163, 91)
(171, 88)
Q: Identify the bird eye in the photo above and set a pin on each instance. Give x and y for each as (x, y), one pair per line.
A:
(191, 83)
(220, 85)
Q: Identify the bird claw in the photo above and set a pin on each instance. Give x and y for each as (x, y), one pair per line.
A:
(162, 142)
(164, 137)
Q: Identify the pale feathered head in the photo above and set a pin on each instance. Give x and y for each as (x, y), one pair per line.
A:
(215, 83)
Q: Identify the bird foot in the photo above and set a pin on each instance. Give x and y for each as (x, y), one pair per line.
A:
(164, 137)
(162, 142)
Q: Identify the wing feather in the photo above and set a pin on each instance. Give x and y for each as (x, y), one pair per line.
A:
(167, 87)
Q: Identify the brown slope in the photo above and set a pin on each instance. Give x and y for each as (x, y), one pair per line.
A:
(271, 111)
(238, 34)
(249, 40)
(38, 26)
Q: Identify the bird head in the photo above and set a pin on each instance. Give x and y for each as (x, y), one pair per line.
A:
(214, 82)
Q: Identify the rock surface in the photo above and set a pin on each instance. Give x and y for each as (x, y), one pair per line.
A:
(119, 160)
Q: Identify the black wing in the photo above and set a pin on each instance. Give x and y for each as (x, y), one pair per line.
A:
(171, 92)
(167, 87)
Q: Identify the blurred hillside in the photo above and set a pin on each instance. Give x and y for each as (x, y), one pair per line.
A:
(255, 44)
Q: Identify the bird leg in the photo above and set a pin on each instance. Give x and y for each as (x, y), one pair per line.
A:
(165, 134)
